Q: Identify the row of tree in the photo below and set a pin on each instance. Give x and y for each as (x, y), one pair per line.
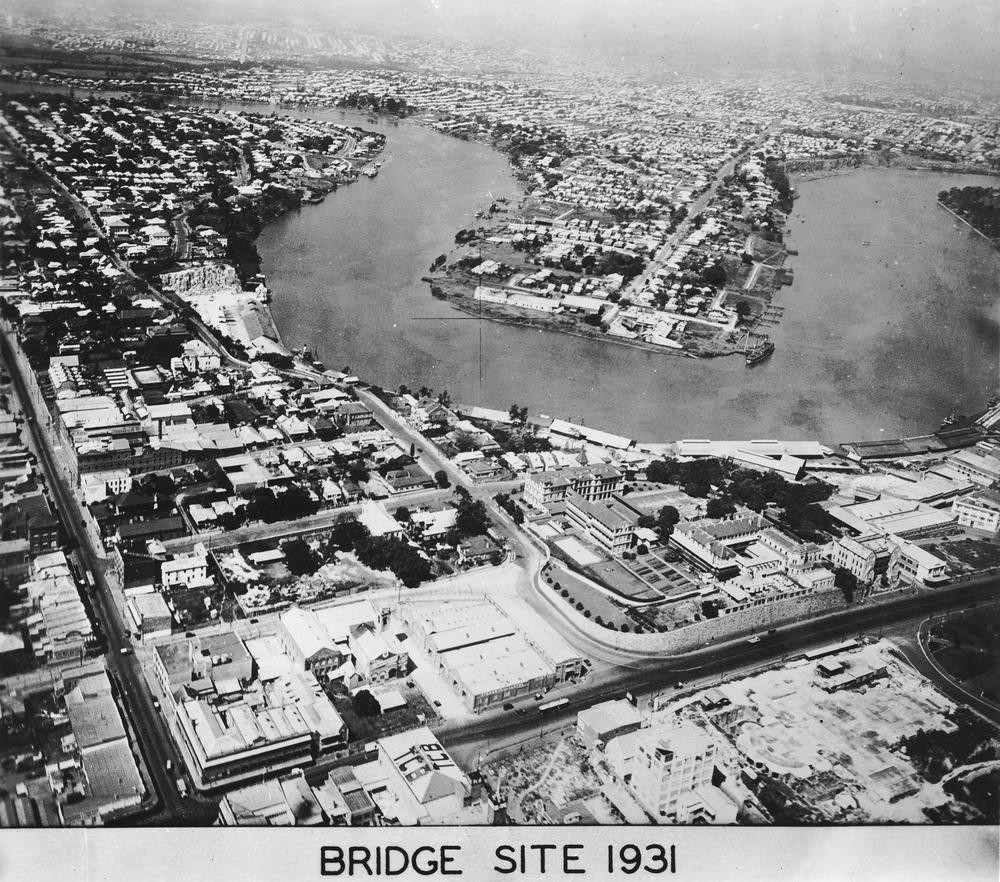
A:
(980, 206)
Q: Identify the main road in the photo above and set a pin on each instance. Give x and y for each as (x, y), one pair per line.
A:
(123, 667)
(495, 729)
(693, 210)
(168, 298)
(915, 646)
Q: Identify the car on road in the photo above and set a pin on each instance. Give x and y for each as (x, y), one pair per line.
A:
(539, 696)
(189, 634)
(170, 765)
(755, 639)
(410, 683)
(156, 703)
(521, 711)
(508, 706)
(254, 621)
(124, 650)
(437, 703)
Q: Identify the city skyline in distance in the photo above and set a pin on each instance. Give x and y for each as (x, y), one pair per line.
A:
(911, 42)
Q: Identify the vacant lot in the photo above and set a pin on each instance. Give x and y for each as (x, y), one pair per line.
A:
(969, 554)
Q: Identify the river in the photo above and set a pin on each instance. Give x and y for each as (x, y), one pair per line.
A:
(877, 340)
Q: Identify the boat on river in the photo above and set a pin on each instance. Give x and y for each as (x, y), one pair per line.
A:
(760, 352)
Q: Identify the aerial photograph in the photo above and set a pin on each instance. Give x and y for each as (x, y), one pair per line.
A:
(465, 413)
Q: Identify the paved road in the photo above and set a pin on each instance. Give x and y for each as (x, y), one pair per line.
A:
(125, 671)
(913, 645)
(694, 209)
(529, 557)
(497, 728)
(168, 298)
(428, 457)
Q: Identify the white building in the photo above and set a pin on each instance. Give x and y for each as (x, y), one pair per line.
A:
(916, 564)
(305, 640)
(150, 615)
(186, 569)
(378, 521)
(980, 511)
(671, 765)
(427, 784)
(231, 742)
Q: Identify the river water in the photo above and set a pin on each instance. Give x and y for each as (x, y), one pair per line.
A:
(877, 340)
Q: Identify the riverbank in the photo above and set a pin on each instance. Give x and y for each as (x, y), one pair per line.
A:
(862, 354)
(884, 159)
(496, 313)
(855, 358)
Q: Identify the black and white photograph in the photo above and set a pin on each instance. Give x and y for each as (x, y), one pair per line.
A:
(505, 438)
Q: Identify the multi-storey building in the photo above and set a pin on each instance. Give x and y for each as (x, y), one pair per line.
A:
(307, 642)
(981, 511)
(867, 558)
(593, 483)
(916, 564)
(609, 524)
(670, 765)
(979, 465)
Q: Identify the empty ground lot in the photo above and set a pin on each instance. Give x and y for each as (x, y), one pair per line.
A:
(841, 756)
(968, 554)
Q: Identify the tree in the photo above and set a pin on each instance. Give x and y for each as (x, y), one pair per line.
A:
(697, 489)
(465, 441)
(662, 471)
(346, 536)
(666, 520)
(441, 477)
(847, 582)
(358, 473)
(719, 507)
(396, 555)
(300, 559)
(714, 275)
(444, 399)
(471, 519)
(743, 310)
(403, 515)
(518, 414)
(365, 704)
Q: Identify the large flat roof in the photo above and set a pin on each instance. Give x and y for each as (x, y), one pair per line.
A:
(609, 715)
(498, 664)
(538, 632)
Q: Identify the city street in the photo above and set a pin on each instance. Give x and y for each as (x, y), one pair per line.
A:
(497, 729)
(124, 669)
(912, 642)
